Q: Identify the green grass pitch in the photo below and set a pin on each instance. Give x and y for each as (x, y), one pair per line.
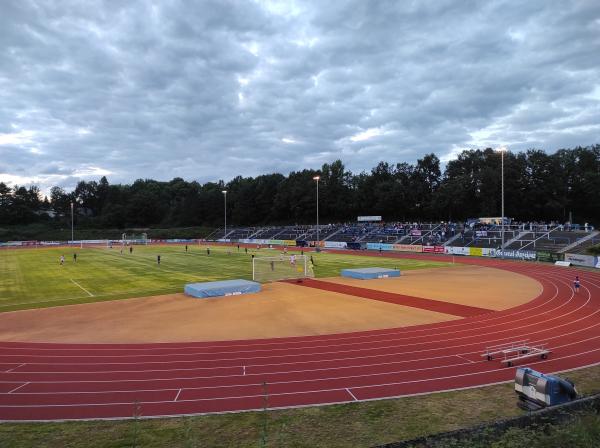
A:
(34, 278)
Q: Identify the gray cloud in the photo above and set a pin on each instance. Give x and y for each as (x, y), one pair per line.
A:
(212, 89)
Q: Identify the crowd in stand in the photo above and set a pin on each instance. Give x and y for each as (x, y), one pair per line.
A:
(432, 233)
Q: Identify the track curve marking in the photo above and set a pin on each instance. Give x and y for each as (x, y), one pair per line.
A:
(93, 381)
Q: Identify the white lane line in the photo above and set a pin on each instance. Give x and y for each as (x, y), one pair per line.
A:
(90, 294)
(177, 396)
(351, 394)
(196, 400)
(466, 359)
(18, 387)
(346, 377)
(546, 340)
(14, 368)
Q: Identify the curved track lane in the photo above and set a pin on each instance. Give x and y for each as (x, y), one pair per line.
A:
(79, 381)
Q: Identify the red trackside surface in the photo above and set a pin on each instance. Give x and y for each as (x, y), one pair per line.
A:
(89, 381)
(439, 306)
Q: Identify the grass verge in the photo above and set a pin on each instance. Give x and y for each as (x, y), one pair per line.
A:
(348, 425)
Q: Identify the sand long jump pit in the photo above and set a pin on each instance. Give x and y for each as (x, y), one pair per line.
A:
(280, 310)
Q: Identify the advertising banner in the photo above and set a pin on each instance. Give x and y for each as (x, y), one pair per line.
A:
(380, 246)
(20, 243)
(551, 257)
(581, 260)
(457, 250)
(336, 244)
(434, 249)
(276, 242)
(289, 242)
(488, 252)
(516, 254)
(476, 251)
(415, 232)
(408, 247)
(369, 218)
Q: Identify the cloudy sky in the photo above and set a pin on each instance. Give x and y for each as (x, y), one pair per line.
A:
(208, 90)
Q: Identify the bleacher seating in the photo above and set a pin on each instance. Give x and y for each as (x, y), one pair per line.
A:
(531, 236)
(552, 240)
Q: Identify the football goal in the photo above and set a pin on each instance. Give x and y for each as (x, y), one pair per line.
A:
(134, 238)
(283, 267)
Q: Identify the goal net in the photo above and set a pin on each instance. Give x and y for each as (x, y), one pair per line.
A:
(128, 239)
(283, 267)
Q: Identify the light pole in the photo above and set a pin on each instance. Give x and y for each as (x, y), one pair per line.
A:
(72, 232)
(225, 214)
(317, 178)
(502, 149)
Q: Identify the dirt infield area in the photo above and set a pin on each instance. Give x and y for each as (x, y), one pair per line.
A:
(280, 310)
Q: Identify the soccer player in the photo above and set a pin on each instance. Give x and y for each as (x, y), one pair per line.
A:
(158, 259)
(130, 249)
(75, 257)
(576, 283)
(62, 260)
(208, 251)
(293, 260)
(186, 248)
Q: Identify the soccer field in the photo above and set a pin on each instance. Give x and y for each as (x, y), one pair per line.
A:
(34, 278)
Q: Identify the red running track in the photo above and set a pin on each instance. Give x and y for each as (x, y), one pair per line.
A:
(86, 381)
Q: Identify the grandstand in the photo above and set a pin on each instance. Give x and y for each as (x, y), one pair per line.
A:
(551, 237)
(553, 240)
(584, 244)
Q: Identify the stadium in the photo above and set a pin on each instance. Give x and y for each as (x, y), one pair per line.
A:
(321, 324)
(293, 223)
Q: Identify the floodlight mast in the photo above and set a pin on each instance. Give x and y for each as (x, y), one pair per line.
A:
(317, 178)
(72, 231)
(225, 213)
(502, 150)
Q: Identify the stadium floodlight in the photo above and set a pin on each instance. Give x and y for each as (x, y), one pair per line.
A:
(317, 178)
(502, 150)
(225, 197)
(72, 231)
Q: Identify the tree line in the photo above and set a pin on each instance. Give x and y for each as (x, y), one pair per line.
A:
(538, 186)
